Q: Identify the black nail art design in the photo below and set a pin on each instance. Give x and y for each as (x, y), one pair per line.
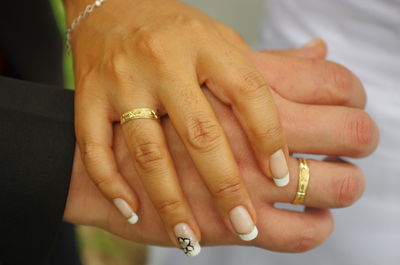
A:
(186, 245)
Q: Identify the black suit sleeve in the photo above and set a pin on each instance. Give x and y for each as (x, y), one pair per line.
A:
(36, 155)
(31, 42)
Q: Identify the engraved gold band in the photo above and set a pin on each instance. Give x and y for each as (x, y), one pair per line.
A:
(304, 178)
(142, 113)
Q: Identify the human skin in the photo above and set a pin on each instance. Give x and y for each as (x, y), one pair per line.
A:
(313, 124)
(157, 54)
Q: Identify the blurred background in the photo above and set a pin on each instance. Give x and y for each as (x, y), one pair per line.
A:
(98, 247)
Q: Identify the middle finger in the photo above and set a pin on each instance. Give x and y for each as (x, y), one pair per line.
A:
(207, 145)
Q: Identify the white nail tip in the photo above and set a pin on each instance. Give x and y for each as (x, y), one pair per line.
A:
(196, 251)
(133, 219)
(282, 181)
(190, 248)
(187, 240)
(126, 210)
(250, 236)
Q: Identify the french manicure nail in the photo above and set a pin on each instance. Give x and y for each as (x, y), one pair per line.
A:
(279, 168)
(126, 210)
(187, 240)
(243, 223)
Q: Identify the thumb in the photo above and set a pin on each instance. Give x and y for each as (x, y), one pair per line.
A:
(315, 49)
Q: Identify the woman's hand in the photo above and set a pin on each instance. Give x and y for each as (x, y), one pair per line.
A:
(157, 54)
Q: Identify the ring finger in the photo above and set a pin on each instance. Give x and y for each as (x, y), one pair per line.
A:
(147, 146)
(331, 184)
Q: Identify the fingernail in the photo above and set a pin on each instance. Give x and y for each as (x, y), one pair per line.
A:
(311, 44)
(187, 240)
(279, 168)
(243, 223)
(126, 210)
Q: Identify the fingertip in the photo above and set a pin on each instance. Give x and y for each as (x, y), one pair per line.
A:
(250, 236)
(315, 49)
(313, 43)
(243, 223)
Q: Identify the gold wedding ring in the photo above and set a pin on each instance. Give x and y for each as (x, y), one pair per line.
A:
(142, 113)
(304, 178)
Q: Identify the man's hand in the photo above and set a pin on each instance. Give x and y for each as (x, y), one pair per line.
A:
(306, 90)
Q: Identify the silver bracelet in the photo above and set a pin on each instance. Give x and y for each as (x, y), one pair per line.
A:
(88, 9)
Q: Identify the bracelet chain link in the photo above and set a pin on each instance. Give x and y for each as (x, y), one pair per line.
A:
(83, 14)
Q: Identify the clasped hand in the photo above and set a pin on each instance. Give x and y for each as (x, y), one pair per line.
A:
(321, 111)
(207, 172)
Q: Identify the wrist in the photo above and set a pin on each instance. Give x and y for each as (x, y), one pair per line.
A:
(92, 18)
(74, 7)
(113, 9)
(118, 12)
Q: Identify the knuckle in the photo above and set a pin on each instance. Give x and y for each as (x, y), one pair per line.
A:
(304, 239)
(271, 135)
(86, 80)
(349, 188)
(91, 152)
(150, 43)
(203, 134)
(103, 182)
(169, 206)
(343, 81)
(232, 34)
(118, 65)
(191, 23)
(253, 85)
(360, 131)
(271, 132)
(148, 155)
(307, 239)
(228, 189)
